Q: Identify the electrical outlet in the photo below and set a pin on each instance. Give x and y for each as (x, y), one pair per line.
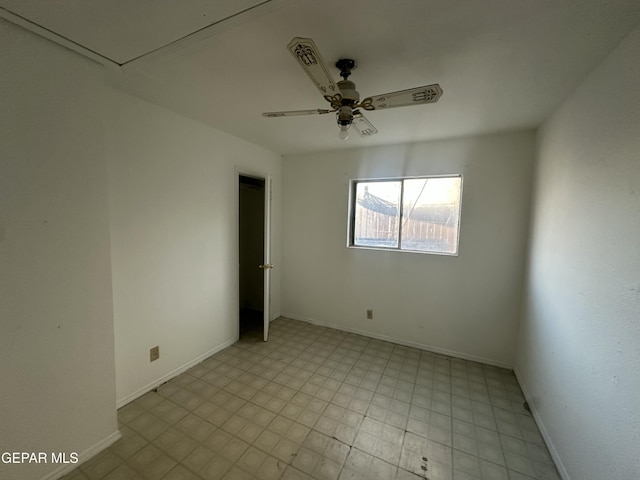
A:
(154, 354)
(369, 314)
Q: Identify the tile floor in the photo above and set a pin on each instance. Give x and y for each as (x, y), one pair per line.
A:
(317, 403)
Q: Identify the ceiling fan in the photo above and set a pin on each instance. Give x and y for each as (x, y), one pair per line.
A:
(343, 96)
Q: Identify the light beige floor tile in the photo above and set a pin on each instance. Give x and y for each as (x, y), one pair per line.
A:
(175, 414)
(100, 465)
(251, 460)
(361, 465)
(271, 468)
(197, 459)
(237, 474)
(380, 440)
(267, 441)
(122, 472)
(129, 445)
(306, 460)
(219, 416)
(520, 464)
(145, 457)
(286, 450)
(418, 451)
(76, 474)
(328, 447)
(194, 427)
(215, 468)
(316, 403)
(491, 471)
(159, 468)
(404, 475)
(205, 409)
(175, 443)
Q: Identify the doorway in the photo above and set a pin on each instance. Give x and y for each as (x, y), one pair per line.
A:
(253, 257)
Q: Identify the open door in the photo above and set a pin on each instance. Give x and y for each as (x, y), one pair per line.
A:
(254, 255)
(267, 265)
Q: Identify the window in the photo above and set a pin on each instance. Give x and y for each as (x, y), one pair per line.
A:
(418, 214)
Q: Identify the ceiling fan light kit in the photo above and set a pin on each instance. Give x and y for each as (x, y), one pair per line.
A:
(343, 96)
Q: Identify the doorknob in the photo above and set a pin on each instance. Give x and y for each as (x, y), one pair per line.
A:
(265, 266)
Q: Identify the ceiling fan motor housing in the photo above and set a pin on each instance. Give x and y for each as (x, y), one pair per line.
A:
(350, 97)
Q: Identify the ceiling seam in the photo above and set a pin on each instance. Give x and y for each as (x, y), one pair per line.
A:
(190, 35)
(49, 34)
(57, 38)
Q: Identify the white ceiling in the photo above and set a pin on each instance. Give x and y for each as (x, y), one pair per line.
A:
(503, 64)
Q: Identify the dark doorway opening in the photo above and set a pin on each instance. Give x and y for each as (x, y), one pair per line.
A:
(251, 256)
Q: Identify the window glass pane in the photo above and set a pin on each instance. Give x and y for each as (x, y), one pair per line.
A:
(377, 213)
(431, 213)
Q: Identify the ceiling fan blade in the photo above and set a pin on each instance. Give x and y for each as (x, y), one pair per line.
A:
(293, 113)
(364, 127)
(308, 56)
(412, 96)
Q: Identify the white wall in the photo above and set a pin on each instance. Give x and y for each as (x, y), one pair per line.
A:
(56, 327)
(578, 355)
(173, 194)
(467, 305)
(169, 275)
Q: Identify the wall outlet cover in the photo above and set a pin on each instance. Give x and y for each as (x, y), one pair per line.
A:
(154, 353)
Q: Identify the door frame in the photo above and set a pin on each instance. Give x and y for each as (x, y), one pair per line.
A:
(268, 185)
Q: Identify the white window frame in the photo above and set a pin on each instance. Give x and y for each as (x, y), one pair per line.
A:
(351, 214)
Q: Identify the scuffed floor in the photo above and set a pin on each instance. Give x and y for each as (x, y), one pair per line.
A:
(317, 403)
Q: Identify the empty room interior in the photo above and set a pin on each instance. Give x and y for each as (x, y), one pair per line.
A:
(191, 289)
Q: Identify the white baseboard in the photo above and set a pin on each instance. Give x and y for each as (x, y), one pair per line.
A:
(399, 341)
(543, 430)
(168, 376)
(84, 456)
